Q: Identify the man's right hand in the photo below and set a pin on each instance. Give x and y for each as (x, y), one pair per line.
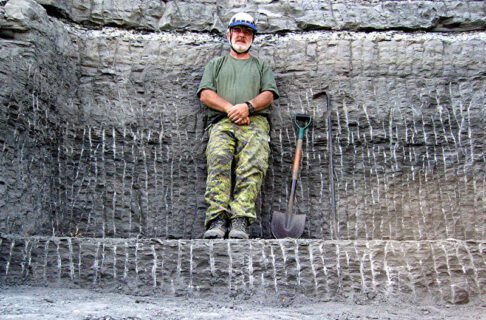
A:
(239, 114)
(246, 121)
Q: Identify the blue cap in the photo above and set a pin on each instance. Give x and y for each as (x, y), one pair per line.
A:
(244, 23)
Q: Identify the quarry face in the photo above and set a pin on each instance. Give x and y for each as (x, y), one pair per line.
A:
(102, 169)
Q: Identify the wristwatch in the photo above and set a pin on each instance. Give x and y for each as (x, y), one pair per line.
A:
(251, 108)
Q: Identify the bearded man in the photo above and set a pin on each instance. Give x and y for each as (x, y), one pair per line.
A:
(237, 88)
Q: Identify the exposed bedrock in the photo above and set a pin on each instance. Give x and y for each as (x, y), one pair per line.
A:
(274, 16)
(102, 135)
(447, 271)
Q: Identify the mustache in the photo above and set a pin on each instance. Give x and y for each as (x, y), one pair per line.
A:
(240, 39)
(237, 37)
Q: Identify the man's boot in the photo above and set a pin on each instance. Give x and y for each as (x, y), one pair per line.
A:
(238, 228)
(216, 230)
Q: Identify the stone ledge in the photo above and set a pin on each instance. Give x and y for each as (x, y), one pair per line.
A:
(449, 271)
(275, 16)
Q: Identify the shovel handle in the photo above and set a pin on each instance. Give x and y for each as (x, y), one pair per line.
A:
(297, 158)
(296, 169)
(301, 122)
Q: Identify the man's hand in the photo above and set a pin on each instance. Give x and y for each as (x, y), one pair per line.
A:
(239, 114)
(244, 122)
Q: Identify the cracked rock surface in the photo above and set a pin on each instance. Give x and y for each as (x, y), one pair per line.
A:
(102, 169)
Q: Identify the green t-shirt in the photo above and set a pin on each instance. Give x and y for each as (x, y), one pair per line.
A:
(237, 81)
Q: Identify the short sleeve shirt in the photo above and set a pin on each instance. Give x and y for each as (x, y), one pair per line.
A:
(237, 80)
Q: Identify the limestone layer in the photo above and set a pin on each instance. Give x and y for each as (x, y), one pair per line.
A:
(275, 16)
(447, 270)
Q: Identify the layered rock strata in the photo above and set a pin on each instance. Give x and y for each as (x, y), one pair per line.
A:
(445, 270)
(107, 124)
(102, 137)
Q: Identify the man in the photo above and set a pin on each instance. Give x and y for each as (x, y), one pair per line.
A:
(237, 88)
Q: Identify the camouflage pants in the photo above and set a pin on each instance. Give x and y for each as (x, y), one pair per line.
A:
(237, 159)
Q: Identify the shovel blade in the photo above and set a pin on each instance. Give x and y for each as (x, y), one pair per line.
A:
(287, 227)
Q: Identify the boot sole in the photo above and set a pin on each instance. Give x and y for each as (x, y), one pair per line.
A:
(234, 234)
(214, 234)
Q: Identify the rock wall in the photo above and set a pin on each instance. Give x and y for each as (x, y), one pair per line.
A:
(104, 120)
(100, 114)
(103, 141)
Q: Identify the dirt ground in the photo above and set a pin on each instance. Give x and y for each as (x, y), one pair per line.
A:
(26, 303)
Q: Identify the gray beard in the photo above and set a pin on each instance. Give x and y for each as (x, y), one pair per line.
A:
(240, 50)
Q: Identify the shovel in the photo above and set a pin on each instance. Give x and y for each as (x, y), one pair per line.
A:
(290, 225)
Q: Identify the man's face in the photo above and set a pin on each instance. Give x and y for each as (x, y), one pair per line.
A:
(241, 38)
